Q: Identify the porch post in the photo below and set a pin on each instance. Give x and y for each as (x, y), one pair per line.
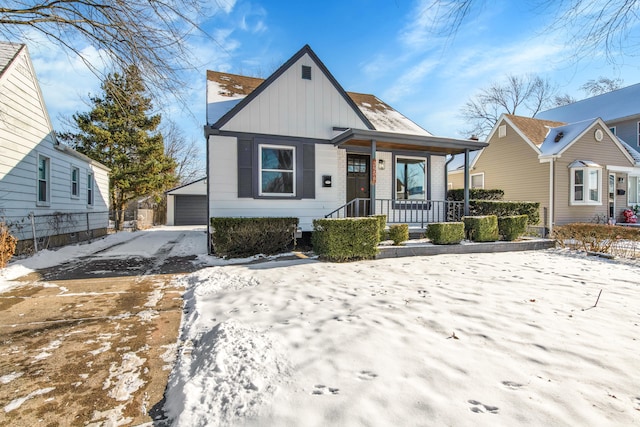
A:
(466, 181)
(374, 171)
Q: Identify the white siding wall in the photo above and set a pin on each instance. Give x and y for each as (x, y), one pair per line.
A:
(25, 133)
(293, 106)
(223, 186)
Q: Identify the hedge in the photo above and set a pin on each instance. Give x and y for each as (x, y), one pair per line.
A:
(512, 227)
(481, 228)
(501, 209)
(475, 194)
(242, 237)
(345, 239)
(445, 233)
(399, 233)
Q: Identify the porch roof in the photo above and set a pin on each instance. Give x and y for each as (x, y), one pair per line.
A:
(405, 142)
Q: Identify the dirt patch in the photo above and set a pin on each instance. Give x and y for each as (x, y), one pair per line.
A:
(87, 351)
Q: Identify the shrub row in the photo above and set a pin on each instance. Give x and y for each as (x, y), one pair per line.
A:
(242, 237)
(504, 209)
(475, 194)
(486, 228)
(601, 238)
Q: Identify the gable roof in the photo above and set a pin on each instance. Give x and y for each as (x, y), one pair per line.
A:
(306, 50)
(534, 129)
(561, 137)
(230, 92)
(612, 106)
(8, 52)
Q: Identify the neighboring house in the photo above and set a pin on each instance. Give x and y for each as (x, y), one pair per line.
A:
(619, 109)
(187, 204)
(46, 188)
(296, 144)
(578, 172)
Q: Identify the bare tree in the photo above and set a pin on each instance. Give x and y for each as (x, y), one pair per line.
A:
(185, 153)
(601, 85)
(560, 100)
(524, 95)
(592, 26)
(150, 34)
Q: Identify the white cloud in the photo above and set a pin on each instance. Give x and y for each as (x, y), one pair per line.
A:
(407, 82)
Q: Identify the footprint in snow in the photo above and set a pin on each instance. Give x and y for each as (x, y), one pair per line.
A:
(511, 385)
(480, 408)
(319, 389)
(367, 375)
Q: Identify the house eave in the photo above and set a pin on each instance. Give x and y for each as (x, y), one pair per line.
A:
(401, 141)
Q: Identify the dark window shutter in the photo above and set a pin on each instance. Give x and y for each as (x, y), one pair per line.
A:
(308, 171)
(245, 168)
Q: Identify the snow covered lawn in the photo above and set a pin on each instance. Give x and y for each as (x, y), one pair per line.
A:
(463, 340)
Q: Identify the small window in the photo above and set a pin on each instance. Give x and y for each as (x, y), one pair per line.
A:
(90, 189)
(411, 180)
(277, 170)
(586, 185)
(75, 182)
(43, 179)
(477, 180)
(502, 131)
(613, 130)
(306, 72)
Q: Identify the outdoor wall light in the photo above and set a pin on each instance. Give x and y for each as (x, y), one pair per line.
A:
(381, 164)
(326, 180)
(620, 180)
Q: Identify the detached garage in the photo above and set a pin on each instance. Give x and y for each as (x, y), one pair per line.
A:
(187, 204)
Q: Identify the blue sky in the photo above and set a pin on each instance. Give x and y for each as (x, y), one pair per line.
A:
(384, 47)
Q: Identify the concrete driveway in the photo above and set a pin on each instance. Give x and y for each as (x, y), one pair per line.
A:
(92, 341)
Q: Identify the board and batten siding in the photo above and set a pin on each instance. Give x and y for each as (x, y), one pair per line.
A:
(605, 153)
(25, 134)
(223, 186)
(512, 165)
(293, 106)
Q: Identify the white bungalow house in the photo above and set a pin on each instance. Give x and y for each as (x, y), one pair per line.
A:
(49, 193)
(296, 144)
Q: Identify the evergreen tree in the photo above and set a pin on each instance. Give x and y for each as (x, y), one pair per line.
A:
(121, 133)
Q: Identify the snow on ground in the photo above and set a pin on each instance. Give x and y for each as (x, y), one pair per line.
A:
(464, 340)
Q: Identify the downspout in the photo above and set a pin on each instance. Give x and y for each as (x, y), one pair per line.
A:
(374, 171)
(551, 195)
(466, 181)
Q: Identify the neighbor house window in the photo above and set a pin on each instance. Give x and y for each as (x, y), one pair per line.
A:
(43, 179)
(502, 131)
(634, 190)
(477, 180)
(586, 183)
(277, 170)
(90, 189)
(411, 180)
(75, 182)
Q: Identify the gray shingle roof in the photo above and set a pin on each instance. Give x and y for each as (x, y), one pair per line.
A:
(8, 51)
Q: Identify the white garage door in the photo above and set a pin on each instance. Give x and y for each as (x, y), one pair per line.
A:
(190, 210)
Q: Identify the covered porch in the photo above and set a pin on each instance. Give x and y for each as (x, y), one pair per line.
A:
(385, 189)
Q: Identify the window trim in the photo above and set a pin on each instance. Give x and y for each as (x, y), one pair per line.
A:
(76, 194)
(291, 148)
(471, 180)
(586, 186)
(411, 204)
(46, 180)
(638, 133)
(90, 188)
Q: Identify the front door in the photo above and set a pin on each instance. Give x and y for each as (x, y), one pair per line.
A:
(612, 196)
(358, 184)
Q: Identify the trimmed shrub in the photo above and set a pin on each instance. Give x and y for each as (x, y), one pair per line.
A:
(445, 233)
(500, 209)
(481, 228)
(345, 239)
(242, 237)
(7, 245)
(382, 226)
(475, 194)
(399, 233)
(512, 227)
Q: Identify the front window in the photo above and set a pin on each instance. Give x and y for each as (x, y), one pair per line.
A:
(75, 182)
(43, 179)
(90, 189)
(634, 190)
(277, 170)
(411, 181)
(586, 186)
